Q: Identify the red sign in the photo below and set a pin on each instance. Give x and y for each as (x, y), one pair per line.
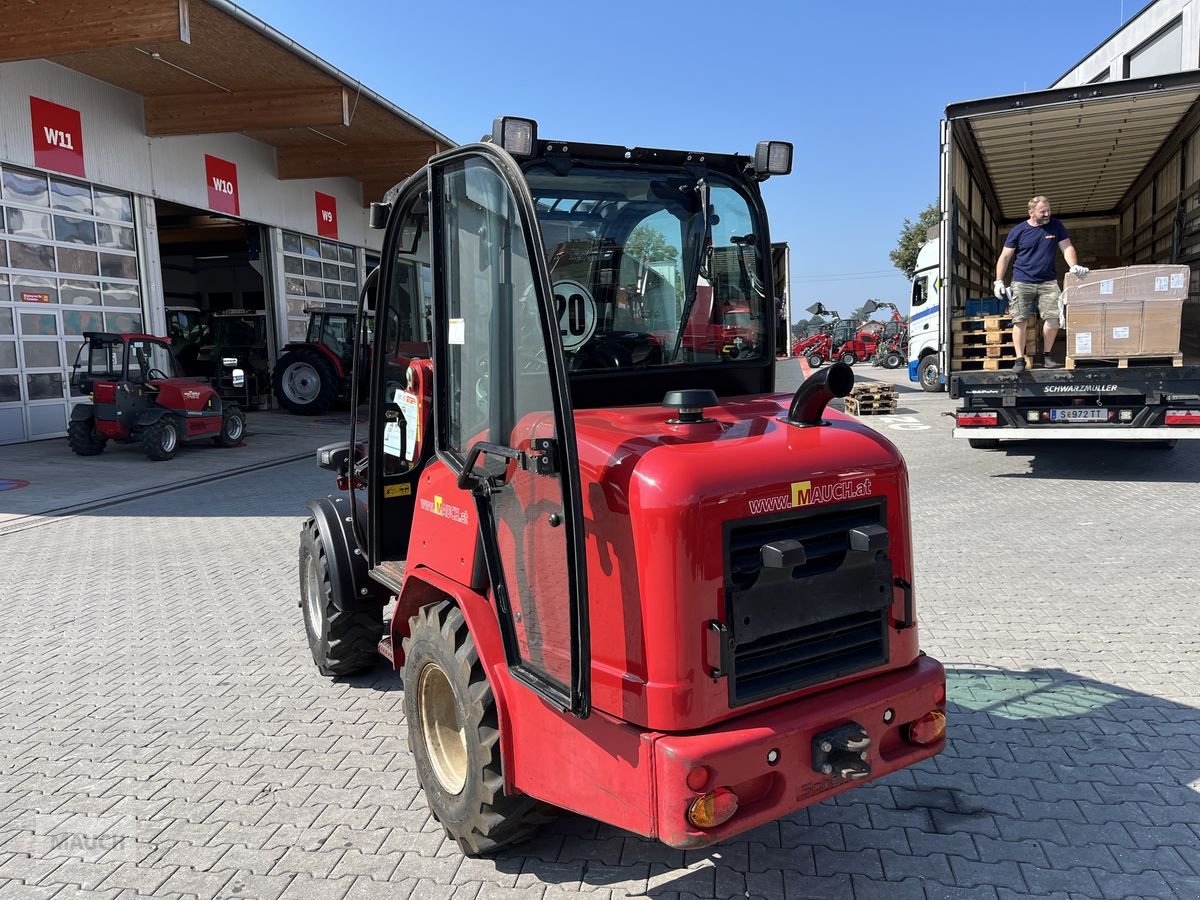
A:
(326, 216)
(221, 176)
(30, 297)
(57, 137)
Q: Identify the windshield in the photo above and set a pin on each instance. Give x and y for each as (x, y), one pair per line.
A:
(642, 276)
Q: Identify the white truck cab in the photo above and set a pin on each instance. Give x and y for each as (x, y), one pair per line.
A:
(925, 320)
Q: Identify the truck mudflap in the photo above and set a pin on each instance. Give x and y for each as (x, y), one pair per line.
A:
(779, 760)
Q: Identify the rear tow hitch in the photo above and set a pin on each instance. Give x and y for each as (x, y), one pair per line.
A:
(842, 752)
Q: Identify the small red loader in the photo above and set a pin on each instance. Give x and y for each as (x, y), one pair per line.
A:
(625, 576)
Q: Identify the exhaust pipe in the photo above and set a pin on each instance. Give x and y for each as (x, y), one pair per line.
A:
(819, 388)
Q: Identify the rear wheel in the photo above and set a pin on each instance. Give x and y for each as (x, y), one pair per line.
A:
(341, 642)
(160, 440)
(929, 373)
(984, 443)
(815, 360)
(893, 360)
(454, 735)
(305, 383)
(233, 426)
(84, 439)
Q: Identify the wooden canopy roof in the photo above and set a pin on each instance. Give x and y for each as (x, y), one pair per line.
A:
(208, 66)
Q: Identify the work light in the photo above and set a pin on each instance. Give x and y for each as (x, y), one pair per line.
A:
(517, 136)
(772, 158)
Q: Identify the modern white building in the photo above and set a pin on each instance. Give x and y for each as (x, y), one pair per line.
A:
(162, 161)
(1164, 37)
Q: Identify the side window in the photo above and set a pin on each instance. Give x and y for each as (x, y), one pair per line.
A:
(650, 293)
(403, 322)
(920, 290)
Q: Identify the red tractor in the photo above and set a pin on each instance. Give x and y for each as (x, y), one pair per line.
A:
(311, 375)
(648, 589)
(139, 394)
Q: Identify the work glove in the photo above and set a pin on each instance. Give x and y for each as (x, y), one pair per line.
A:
(1079, 271)
(1001, 292)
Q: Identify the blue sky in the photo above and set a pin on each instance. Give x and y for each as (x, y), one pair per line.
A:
(858, 87)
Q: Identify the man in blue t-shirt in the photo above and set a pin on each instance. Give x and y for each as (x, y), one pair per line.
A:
(1035, 243)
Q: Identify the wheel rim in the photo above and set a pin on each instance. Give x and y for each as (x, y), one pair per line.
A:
(169, 438)
(301, 383)
(931, 374)
(312, 595)
(234, 429)
(445, 738)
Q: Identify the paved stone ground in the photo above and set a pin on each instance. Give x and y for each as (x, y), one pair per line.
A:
(164, 733)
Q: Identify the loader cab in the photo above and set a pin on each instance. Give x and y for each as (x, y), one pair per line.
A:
(536, 278)
(115, 358)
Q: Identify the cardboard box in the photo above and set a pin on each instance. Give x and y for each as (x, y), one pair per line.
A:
(1167, 282)
(1160, 327)
(1122, 334)
(1085, 329)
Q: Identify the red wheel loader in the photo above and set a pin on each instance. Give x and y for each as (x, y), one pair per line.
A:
(624, 576)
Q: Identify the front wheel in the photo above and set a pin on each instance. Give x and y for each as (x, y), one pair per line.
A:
(454, 736)
(233, 426)
(848, 358)
(160, 440)
(341, 642)
(929, 374)
(815, 360)
(893, 360)
(83, 438)
(305, 383)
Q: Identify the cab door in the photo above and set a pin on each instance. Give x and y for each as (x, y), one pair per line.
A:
(502, 415)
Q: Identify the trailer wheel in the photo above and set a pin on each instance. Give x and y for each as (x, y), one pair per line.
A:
(160, 440)
(305, 383)
(815, 360)
(454, 735)
(893, 360)
(83, 438)
(233, 426)
(984, 443)
(341, 643)
(929, 374)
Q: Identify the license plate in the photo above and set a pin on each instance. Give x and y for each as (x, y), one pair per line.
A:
(1079, 414)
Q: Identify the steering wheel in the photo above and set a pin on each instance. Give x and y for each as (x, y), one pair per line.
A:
(161, 374)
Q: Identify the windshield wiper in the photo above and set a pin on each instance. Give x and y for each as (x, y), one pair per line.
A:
(698, 265)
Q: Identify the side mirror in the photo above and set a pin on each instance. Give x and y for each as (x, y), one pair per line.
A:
(335, 457)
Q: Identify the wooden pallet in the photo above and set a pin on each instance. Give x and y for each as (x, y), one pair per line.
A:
(982, 323)
(866, 406)
(986, 365)
(1124, 362)
(873, 388)
(980, 338)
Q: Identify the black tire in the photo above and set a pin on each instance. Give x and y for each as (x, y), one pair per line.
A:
(848, 358)
(984, 443)
(929, 374)
(305, 383)
(815, 360)
(84, 439)
(1165, 444)
(341, 643)
(233, 426)
(160, 440)
(458, 761)
(893, 360)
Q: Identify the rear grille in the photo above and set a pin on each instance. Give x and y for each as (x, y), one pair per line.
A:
(813, 622)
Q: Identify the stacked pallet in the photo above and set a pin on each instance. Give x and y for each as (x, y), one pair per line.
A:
(1124, 362)
(984, 343)
(871, 398)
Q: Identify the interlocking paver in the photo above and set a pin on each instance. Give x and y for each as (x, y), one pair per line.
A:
(147, 764)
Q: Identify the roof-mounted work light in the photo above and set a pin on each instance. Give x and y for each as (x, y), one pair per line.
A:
(772, 158)
(517, 136)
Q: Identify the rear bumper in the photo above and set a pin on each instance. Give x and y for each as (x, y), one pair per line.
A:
(736, 755)
(1078, 432)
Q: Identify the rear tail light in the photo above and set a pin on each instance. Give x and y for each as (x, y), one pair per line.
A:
(1183, 417)
(976, 419)
(929, 729)
(713, 809)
